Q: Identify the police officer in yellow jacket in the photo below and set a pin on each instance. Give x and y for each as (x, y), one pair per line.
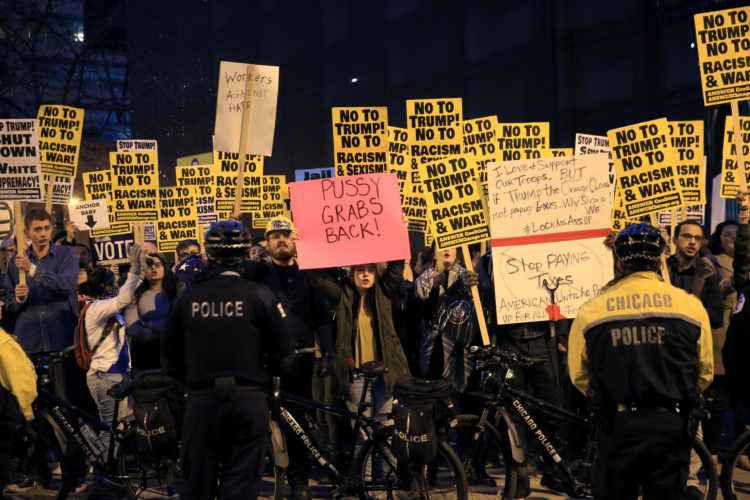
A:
(642, 349)
(17, 392)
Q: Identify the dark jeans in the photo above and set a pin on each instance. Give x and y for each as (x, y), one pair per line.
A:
(649, 450)
(224, 437)
(543, 380)
(298, 380)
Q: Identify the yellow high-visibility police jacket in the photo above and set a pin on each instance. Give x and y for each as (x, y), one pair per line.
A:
(17, 374)
(643, 341)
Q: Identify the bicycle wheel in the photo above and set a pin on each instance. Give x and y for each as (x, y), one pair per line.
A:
(382, 478)
(735, 480)
(707, 481)
(486, 468)
(145, 475)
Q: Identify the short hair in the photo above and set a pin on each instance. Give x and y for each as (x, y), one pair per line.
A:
(182, 245)
(36, 214)
(685, 223)
(715, 245)
(81, 245)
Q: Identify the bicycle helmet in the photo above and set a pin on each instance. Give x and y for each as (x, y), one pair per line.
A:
(227, 244)
(639, 247)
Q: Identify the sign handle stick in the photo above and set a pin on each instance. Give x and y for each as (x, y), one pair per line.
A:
(50, 189)
(138, 232)
(664, 270)
(738, 145)
(475, 295)
(20, 238)
(244, 133)
(683, 211)
(673, 219)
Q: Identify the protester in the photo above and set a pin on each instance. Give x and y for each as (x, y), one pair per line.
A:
(258, 253)
(147, 312)
(188, 248)
(17, 393)
(223, 339)
(659, 336)
(110, 361)
(309, 320)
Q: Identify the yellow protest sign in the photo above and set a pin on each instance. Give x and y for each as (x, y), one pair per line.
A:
(435, 127)
(60, 130)
(177, 217)
(360, 140)
(135, 186)
(730, 177)
(456, 206)
(62, 189)
(686, 138)
(224, 172)
(198, 179)
(274, 200)
(398, 157)
(480, 136)
(645, 167)
(523, 141)
(724, 54)
(97, 185)
(553, 152)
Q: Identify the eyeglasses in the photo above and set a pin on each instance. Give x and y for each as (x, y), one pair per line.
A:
(694, 237)
(154, 263)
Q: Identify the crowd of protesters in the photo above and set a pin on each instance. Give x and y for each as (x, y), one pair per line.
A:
(417, 315)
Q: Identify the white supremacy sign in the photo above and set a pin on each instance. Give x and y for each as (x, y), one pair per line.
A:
(20, 167)
(246, 86)
(548, 220)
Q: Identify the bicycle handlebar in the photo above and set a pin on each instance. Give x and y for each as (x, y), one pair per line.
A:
(41, 358)
(490, 353)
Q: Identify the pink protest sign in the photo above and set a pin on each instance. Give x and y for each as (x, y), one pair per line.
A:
(344, 221)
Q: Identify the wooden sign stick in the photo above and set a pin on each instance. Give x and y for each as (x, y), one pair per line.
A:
(50, 189)
(664, 270)
(20, 238)
(738, 145)
(244, 133)
(475, 295)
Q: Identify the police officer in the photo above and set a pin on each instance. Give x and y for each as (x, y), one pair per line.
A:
(644, 347)
(223, 338)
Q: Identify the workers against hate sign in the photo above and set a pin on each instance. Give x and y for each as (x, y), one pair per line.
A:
(522, 141)
(60, 130)
(724, 54)
(730, 177)
(548, 218)
(261, 84)
(20, 169)
(434, 127)
(348, 220)
(136, 145)
(687, 141)
(177, 218)
(224, 172)
(455, 203)
(97, 185)
(480, 135)
(135, 186)
(645, 166)
(62, 189)
(360, 140)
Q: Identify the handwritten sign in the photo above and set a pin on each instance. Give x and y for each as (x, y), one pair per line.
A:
(686, 138)
(455, 202)
(97, 185)
(548, 218)
(20, 169)
(724, 52)
(262, 84)
(360, 140)
(60, 130)
(177, 217)
(135, 186)
(730, 176)
(90, 214)
(517, 141)
(348, 221)
(645, 166)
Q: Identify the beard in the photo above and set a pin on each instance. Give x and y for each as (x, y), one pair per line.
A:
(282, 253)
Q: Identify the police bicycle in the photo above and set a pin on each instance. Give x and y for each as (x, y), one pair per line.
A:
(735, 480)
(489, 444)
(74, 436)
(373, 472)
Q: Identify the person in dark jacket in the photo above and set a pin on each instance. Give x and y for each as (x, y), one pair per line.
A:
(309, 319)
(224, 338)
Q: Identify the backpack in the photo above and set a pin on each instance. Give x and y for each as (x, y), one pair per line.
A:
(83, 352)
(158, 405)
(422, 411)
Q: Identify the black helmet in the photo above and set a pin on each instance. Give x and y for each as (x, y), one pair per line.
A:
(639, 246)
(227, 243)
